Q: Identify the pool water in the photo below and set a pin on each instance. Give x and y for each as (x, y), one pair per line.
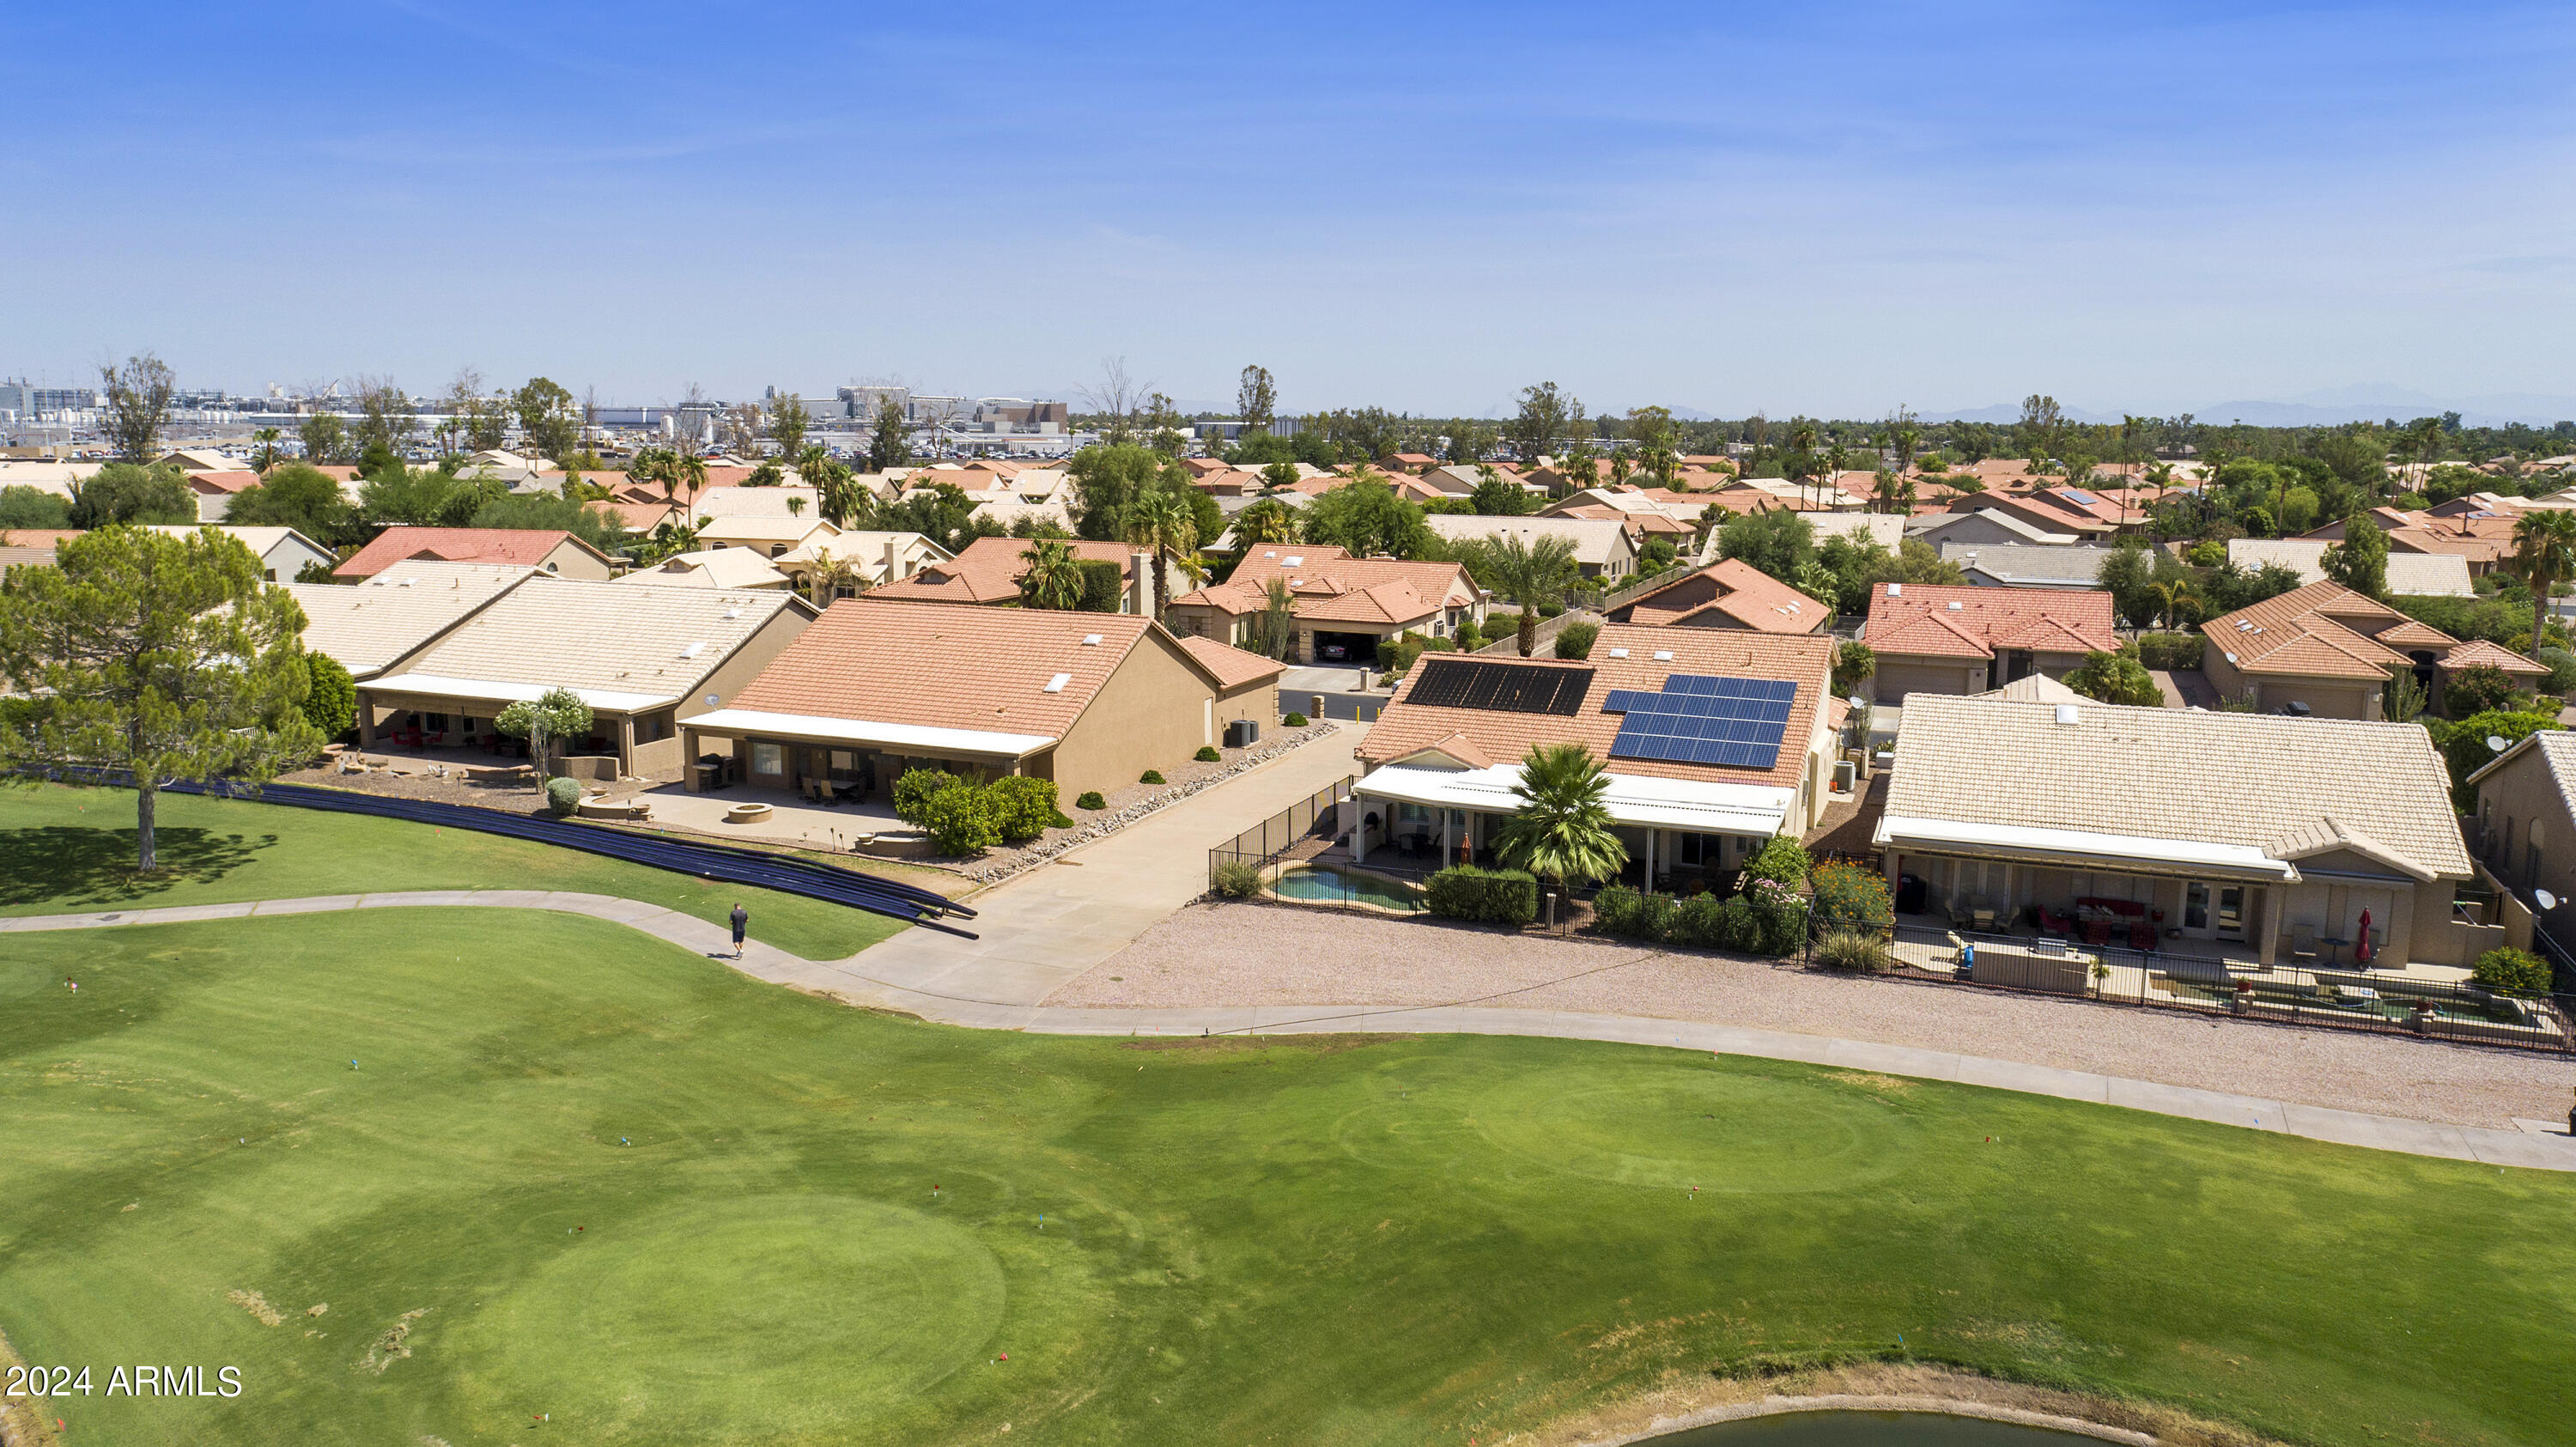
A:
(1870, 1429)
(1324, 884)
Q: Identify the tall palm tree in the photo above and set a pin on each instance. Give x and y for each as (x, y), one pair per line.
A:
(688, 474)
(1163, 524)
(266, 457)
(1561, 831)
(1054, 576)
(2544, 558)
(2174, 600)
(2428, 449)
(1836, 457)
(828, 575)
(1528, 574)
(1266, 521)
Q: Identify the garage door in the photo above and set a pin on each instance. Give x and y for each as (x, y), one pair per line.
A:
(1345, 647)
(1895, 680)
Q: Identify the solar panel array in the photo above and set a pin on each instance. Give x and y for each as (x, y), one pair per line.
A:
(1732, 723)
(1505, 687)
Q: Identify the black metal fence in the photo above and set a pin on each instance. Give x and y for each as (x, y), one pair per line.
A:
(1293, 857)
(2357, 998)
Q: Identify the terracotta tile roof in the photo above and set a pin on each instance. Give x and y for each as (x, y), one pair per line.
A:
(988, 571)
(2323, 630)
(1233, 667)
(47, 538)
(1406, 728)
(1739, 591)
(1937, 620)
(1332, 586)
(878, 660)
(2479, 651)
(2290, 787)
(515, 547)
(226, 481)
(635, 517)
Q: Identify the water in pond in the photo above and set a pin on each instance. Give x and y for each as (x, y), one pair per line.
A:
(1870, 1429)
(1325, 884)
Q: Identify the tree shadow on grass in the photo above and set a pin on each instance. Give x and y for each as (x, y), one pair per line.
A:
(74, 866)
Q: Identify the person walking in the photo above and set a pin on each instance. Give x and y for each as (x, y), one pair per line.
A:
(741, 923)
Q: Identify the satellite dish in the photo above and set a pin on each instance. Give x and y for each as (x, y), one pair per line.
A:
(2496, 742)
(2544, 899)
(1857, 701)
(711, 700)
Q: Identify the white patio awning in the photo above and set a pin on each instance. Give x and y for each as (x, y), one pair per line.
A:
(485, 690)
(1695, 805)
(2111, 850)
(820, 729)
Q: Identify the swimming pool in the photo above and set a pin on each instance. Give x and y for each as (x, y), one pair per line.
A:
(1325, 884)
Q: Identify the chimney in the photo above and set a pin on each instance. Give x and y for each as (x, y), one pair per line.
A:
(1140, 586)
(893, 558)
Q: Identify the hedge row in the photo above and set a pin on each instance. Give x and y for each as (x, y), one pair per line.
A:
(1766, 921)
(1495, 896)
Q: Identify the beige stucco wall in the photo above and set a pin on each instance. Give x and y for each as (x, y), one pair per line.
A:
(1258, 702)
(2325, 697)
(570, 560)
(1151, 714)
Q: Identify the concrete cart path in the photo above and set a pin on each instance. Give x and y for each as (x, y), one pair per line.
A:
(851, 981)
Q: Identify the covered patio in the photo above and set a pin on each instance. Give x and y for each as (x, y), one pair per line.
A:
(1677, 830)
(835, 761)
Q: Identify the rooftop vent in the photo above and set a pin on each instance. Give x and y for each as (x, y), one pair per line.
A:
(1663, 655)
(1298, 561)
(2068, 715)
(1896, 590)
(693, 650)
(1956, 605)
(1090, 640)
(1057, 683)
(733, 612)
(1618, 652)
(403, 583)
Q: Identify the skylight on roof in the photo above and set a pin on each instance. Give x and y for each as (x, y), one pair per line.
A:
(1618, 652)
(1663, 655)
(1057, 683)
(1090, 640)
(1896, 590)
(1298, 561)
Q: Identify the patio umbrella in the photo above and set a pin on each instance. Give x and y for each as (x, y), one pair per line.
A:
(2361, 942)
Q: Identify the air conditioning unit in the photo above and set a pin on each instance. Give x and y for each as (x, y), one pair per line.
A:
(1242, 733)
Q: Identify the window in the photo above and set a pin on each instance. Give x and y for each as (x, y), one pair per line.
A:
(1699, 851)
(1413, 813)
(768, 759)
(652, 727)
(434, 722)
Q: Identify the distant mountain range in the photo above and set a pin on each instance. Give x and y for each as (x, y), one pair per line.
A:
(2332, 406)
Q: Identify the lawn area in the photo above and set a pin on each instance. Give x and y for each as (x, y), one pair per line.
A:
(664, 1203)
(64, 850)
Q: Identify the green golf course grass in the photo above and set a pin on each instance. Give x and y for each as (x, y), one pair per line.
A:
(580, 1173)
(64, 850)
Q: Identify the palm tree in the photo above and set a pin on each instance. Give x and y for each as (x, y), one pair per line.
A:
(266, 457)
(1528, 574)
(688, 473)
(2428, 448)
(2173, 600)
(1266, 521)
(1835, 457)
(827, 576)
(1054, 576)
(1163, 524)
(2544, 558)
(1561, 831)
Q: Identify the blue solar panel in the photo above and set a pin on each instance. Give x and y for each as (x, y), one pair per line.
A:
(1730, 723)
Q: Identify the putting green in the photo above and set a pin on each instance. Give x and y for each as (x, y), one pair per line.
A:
(1677, 1121)
(672, 1320)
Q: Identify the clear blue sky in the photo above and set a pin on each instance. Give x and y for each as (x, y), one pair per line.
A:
(1829, 209)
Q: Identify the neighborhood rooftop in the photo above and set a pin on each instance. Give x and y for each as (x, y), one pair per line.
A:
(619, 646)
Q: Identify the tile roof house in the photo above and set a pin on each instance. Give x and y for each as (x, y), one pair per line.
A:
(2014, 565)
(1090, 700)
(283, 552)
(2265, 833)
(1939, 638)
(2042, 510)
(988, 571)
(2328, 651)
(1343, 606)
(711, 568)
(215, 491)
(1603, 547)
(1731, 593)
(2410, 575)
(1985, 526)
(770, 535)
(2524, 834)
(644, 657)
(366, 625)
(547, 550)
(874, 557)
(1444, 754)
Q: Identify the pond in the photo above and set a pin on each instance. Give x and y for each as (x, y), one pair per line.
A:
(1324, 884)
(1870, 1429)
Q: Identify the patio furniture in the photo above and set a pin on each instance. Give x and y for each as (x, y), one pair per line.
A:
(2142, 936)
(2334, 944)
(1981, 912)
(2303, 942)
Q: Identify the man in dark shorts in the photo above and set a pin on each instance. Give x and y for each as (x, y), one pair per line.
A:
(741, 922)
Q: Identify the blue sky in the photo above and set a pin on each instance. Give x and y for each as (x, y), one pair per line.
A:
(1837, 208)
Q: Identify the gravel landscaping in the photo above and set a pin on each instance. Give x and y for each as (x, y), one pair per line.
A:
(1254, 954)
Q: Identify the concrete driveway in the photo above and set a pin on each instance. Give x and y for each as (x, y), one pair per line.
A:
(1043, 928)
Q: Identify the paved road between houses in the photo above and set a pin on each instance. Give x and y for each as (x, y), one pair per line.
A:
(946, 992)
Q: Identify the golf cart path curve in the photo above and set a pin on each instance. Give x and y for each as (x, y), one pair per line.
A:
(845, 980)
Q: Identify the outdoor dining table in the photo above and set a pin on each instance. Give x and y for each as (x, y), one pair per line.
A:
(2336, 945)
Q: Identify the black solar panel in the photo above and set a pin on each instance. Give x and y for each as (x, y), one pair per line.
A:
(1507, 687)
(1732, 723)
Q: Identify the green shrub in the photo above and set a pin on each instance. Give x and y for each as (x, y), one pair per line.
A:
(1024, 808)
(2478, 688)
(1574, 640)
(1849, 949)
(2171, 650)
(1847, 895)
(1470, 636)
(1295, 721)
(1150, 776)
(1699, 922)
(2562, 671)
(1783, 861)
(1654, 919)
(962, 820)
(2507, 968)
(562, 796)
(1237, 880)
(1496, 896)
(1207, 754)
(1091, 800)
(1550, 608)
(912, 792)
(331, 700)
(2464, 745)
(1614, 909)
(1104, 585)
